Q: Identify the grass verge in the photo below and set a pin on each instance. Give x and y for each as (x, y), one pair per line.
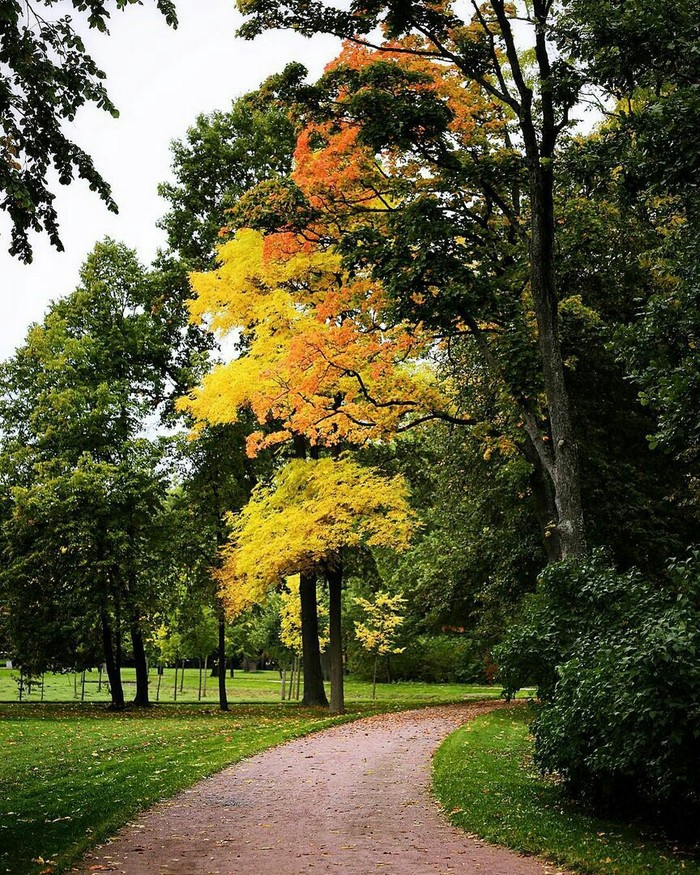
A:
(71, 775)
(484, 779)
(245, 687)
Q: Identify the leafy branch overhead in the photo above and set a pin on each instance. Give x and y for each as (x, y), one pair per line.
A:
(45, 78)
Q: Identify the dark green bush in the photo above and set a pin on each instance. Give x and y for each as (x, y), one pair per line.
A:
(447, 658)
(617, 661)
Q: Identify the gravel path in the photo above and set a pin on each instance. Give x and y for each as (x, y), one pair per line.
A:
(350, 800)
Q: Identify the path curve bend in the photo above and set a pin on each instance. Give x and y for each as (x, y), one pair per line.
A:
(351, 800)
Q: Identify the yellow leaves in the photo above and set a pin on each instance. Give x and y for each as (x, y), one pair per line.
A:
(310, 511)
(383, 620)
(317, 358)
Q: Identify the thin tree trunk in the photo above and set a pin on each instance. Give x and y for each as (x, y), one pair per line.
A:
(314, 692)
(199, 688)
(297, 663)
(335, 593)
(160, 679)
(141, 698)
(374, 678)
(206, 670)
(223, 698)
(113, 667)
(175, 687)
(182, 676)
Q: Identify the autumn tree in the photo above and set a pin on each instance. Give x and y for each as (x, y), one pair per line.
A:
(47, 77)
(377, 632)
(432, 261)
(312, 511)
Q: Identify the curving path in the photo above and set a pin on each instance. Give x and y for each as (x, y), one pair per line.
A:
(350, 800)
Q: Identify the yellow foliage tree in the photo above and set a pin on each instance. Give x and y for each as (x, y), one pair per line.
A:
(317, 357)
(311, 511)
(302, 521)
(377, 633)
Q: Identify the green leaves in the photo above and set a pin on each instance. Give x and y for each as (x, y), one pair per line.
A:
(47, 77)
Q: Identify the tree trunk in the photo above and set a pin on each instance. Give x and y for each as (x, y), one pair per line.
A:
(314, 692)
(565, 468)
(545, 505)
(335, 592)
(223, 699)
(141, 697)
(113, 667)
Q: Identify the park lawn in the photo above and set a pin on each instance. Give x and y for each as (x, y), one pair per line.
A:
(71, 774)
(244, 687)
(485, 781)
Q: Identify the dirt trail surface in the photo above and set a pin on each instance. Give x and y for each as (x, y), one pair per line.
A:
(353, 800)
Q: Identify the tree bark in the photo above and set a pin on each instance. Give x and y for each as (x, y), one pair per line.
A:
(545, 504)
(223, 698)
(141, 698)
(314, 692)
(113, 666)
(561, 462)
(335, 591)
(565, 469)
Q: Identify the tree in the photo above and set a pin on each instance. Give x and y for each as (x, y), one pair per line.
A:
(302, 523)
(47, 76)
(436, 238)
(377, 633)
(75, 399)
(313, 362)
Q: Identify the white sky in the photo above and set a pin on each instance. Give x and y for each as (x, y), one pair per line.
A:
(160, 80)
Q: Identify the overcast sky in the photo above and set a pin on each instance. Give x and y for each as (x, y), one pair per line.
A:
(160, 80)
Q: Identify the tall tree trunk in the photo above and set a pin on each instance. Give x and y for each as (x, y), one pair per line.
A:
(314, 692)
(141, 698)
(335, 591)
(112, 665)
(223, 699)
(540, 131)
(565, 468)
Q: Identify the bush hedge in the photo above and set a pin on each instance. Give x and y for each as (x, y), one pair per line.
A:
(616, 659)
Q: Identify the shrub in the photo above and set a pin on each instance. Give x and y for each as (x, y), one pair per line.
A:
(617, 661)
(431, 659)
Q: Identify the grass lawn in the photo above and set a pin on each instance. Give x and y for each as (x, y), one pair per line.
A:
(71, 774)
(485, 781)
(245, 687)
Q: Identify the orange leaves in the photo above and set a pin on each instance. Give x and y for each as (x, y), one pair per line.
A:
(317, 358)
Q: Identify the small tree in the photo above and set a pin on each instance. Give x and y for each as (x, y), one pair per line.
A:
(378, 633)
(301, 524)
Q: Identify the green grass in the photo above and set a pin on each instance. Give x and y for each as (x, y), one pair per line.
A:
(247, 687)
(484, 779)
(71, 774)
